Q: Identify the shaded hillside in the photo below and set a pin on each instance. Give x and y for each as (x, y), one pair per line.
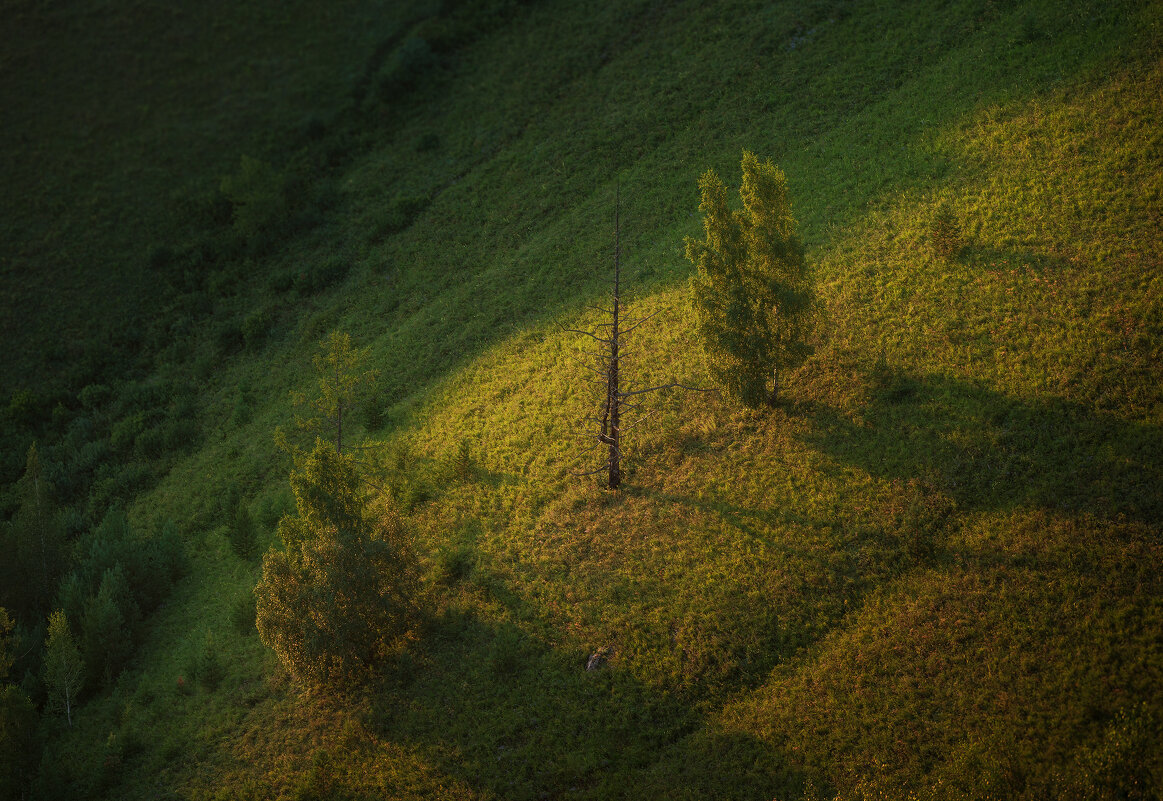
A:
(931, 571)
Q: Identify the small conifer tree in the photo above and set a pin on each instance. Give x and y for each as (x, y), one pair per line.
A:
(32, 546)
(5, 657)
(752, 295)
(343, 380)
(106, 625)
(340, 597)
(945, 232)
(243, 536)
(64, 671)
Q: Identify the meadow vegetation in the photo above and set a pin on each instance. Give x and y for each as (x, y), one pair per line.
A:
(930, 570)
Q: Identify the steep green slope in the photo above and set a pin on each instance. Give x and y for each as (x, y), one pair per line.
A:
(932, 572)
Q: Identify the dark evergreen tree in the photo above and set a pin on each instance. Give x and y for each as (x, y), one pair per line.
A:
(106, 629)
(32, 545)
(17, 723)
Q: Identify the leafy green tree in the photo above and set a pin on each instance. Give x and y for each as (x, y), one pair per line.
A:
(64, 670)
(752, 293)
(342, 378)
(341, 596)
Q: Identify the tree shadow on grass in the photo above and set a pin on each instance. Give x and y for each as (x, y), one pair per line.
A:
(513, 716)
(990, 451)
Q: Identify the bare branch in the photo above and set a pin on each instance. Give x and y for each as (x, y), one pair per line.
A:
(637, 323)
(637, 422)
(667, 386)
(606, 466)
(585, 333)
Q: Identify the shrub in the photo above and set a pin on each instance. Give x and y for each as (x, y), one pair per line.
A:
(241, 532)
(257, 195)
(150, 565)
(242, 614)
(208, 667)
(17, 740)
(228, 339)
(507, 651)
(454, 565)
(405, 68)
(462, 461)
(373, 412)
(123, 436)
(95, 396)
(945, 232)
(25, 408)
(255, 328)
(401, 213)
(321, 275)
(273, 507)
(181, 434)
(105, 628)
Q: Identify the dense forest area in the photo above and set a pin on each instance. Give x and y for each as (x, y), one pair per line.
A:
(315, 389)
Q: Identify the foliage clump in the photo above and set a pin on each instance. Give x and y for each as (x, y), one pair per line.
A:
(340, 597)
(242, 531)
(257, 194)
(752, 294)
(33, 545)
(945, 233)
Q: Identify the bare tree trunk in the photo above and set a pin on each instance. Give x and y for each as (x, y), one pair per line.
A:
(610, 369)
(338, 417)
(614, 401)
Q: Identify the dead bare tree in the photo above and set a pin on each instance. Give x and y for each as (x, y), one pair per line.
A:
(608, 358)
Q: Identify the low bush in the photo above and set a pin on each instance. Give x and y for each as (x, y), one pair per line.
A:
(256, 328)
(322, 275)
(257, 197)
(945, 233)
(405, 68)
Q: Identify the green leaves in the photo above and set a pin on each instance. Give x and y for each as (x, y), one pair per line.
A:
(64, 671)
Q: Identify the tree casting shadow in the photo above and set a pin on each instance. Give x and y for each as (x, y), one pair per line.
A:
(991, 451)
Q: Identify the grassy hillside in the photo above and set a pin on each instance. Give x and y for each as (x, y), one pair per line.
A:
(932, 571)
